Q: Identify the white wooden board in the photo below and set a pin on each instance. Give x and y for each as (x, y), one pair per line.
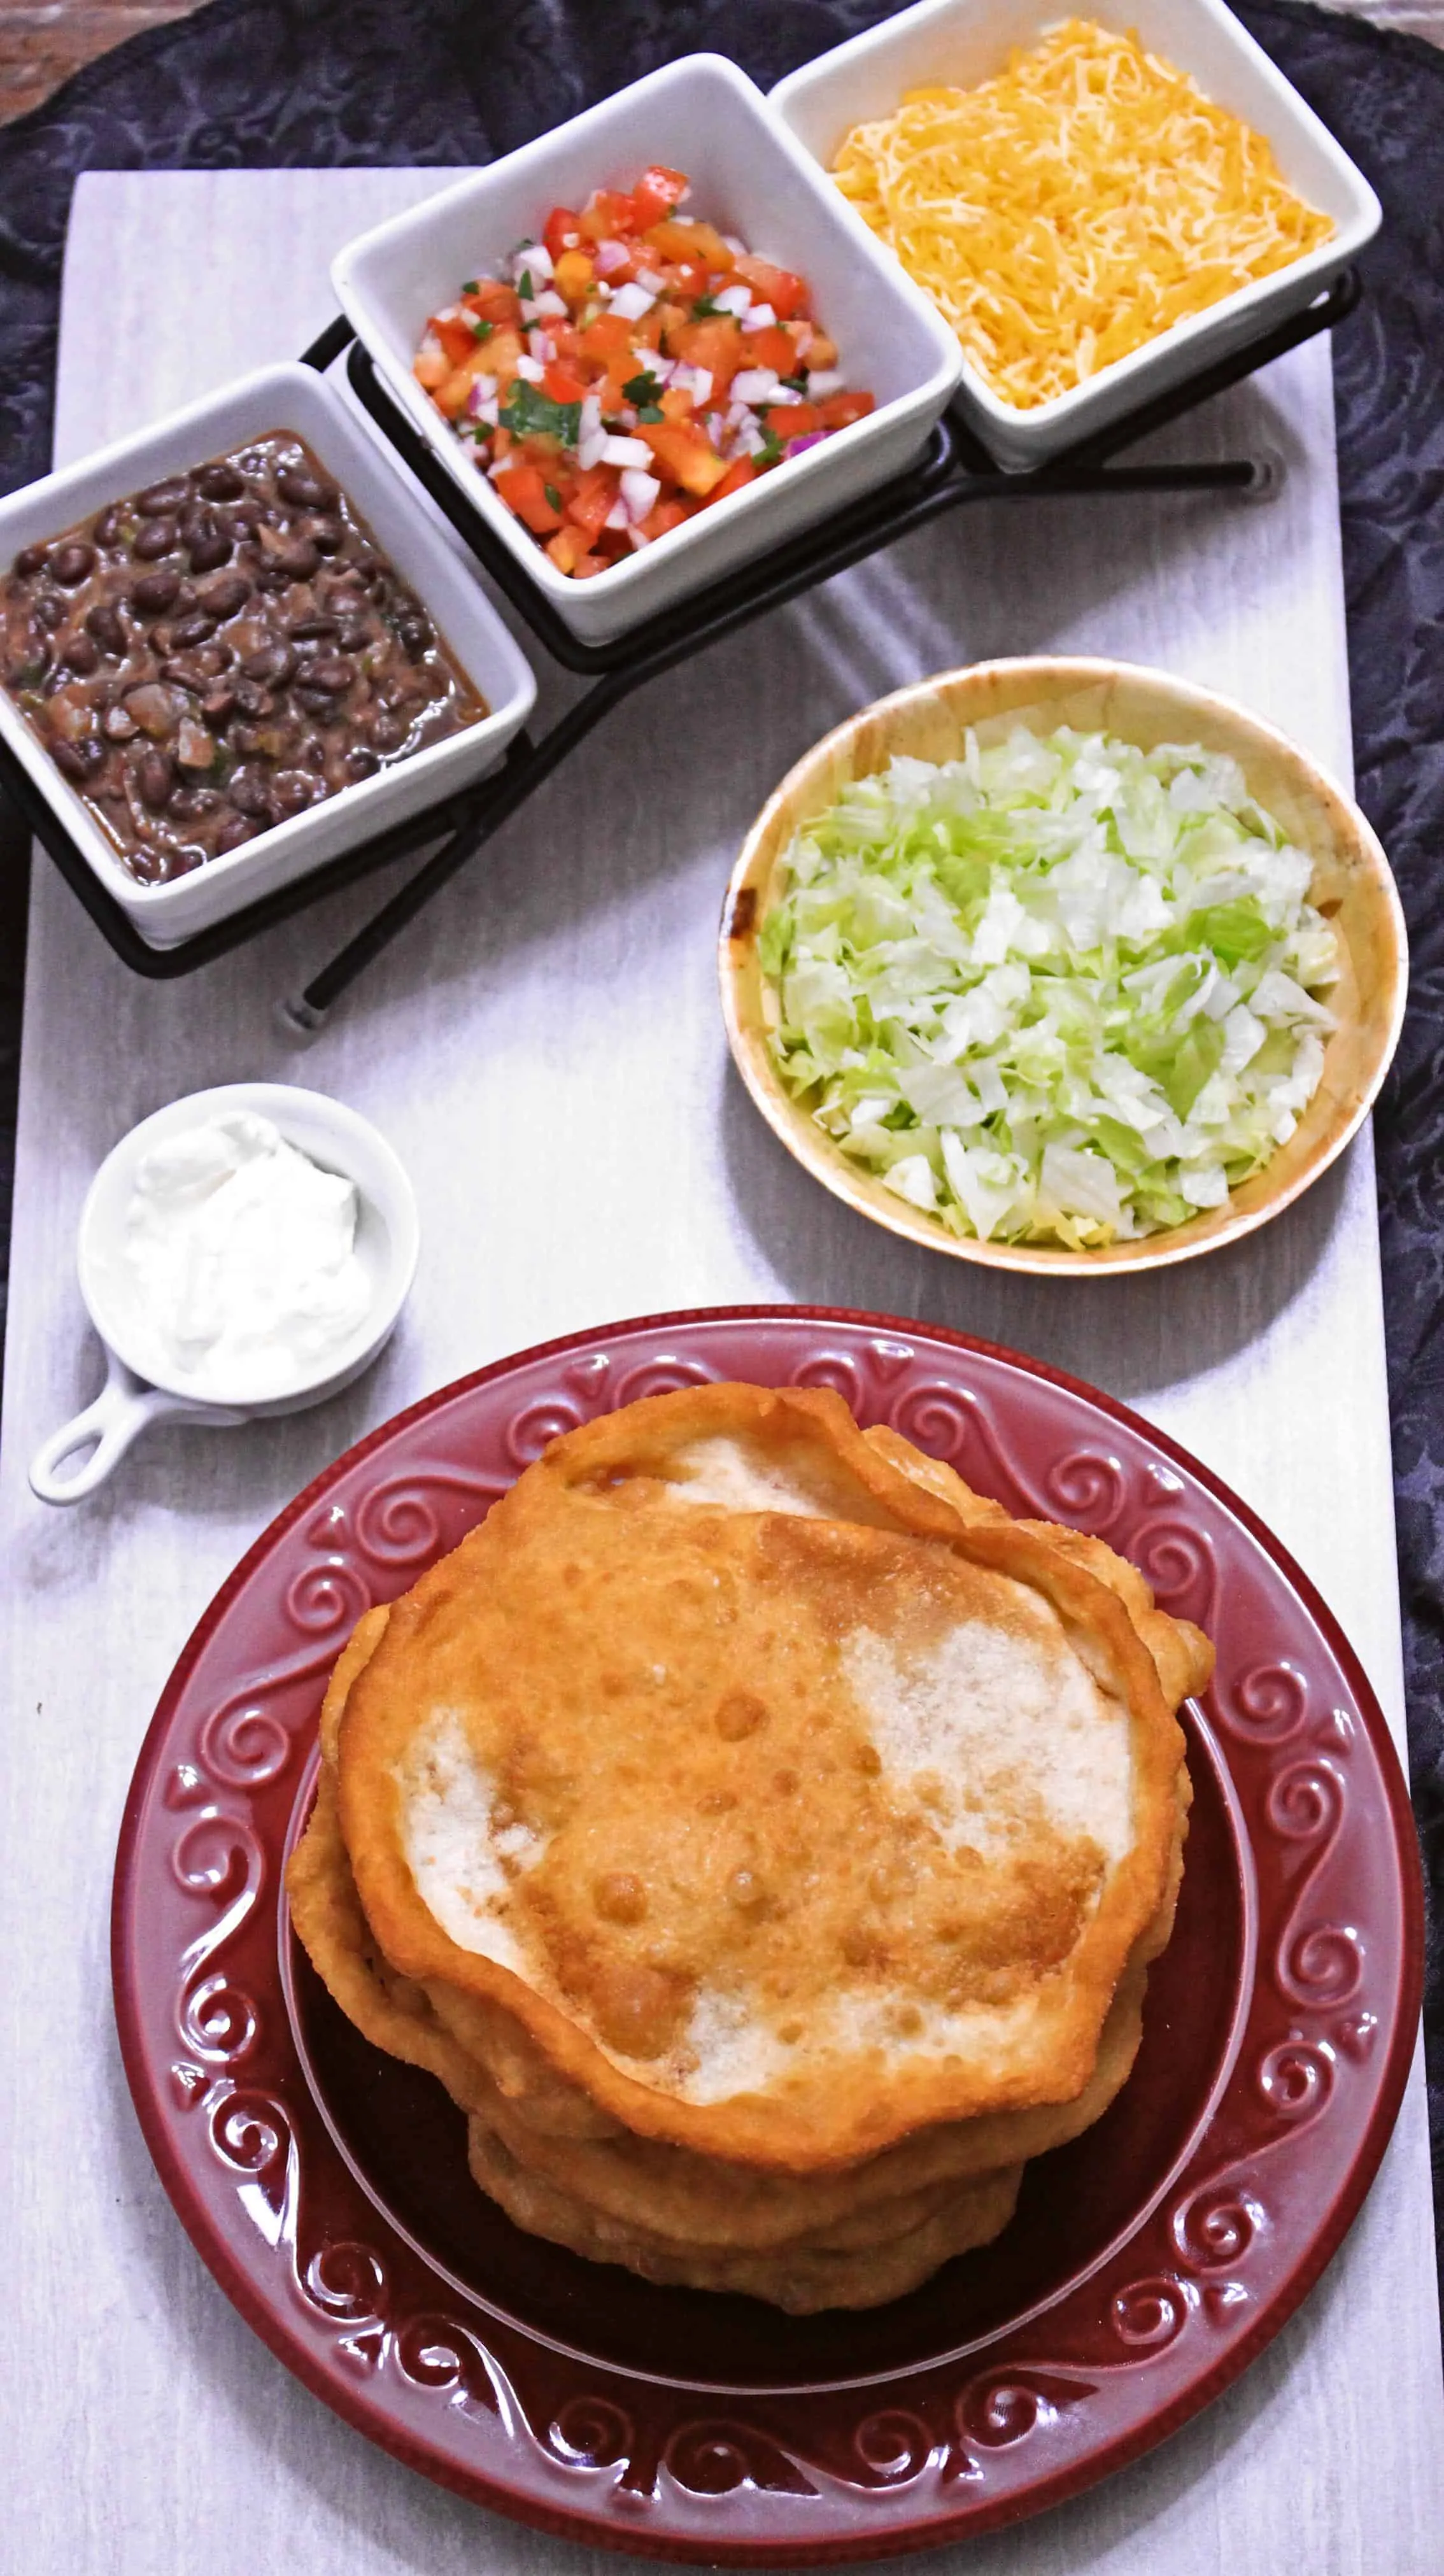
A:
(545, 1051)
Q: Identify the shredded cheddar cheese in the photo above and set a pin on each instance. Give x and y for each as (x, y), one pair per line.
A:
(1062, 214)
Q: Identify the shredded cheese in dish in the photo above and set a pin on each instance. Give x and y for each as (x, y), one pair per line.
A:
(1073, 208)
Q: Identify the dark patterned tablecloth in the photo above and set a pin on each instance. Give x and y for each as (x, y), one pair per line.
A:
(328, 83)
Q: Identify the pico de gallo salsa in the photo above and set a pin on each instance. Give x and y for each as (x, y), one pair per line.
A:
(633, 367)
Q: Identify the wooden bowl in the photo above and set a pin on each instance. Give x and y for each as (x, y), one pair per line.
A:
(1352, 884)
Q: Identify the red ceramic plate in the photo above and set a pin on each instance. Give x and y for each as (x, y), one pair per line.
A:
(1149, 2262)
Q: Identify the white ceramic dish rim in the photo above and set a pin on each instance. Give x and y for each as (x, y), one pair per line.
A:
(119, 468)
(622, 580)
(1217, 320)
(297, 1112)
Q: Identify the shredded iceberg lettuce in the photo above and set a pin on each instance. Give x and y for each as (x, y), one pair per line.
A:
(1059, 990)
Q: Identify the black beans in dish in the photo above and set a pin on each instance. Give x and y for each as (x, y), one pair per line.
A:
(220, 652)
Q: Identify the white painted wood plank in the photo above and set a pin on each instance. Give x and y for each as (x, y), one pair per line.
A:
(544, 1049)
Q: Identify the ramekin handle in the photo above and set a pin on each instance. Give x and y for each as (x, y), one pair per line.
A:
(122, 1409)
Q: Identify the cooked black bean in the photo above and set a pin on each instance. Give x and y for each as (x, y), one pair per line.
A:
(332, 673)
(145, 706)
(305, 490)
(208, 550)
(155, 778)
(72, 563)
(155, 539)
(155, 592)
(225, 596)
(298, 561)
(219, 482)
(103, 622)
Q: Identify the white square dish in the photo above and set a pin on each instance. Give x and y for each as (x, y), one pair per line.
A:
(749, 176)
(964, 42)
(290, 398)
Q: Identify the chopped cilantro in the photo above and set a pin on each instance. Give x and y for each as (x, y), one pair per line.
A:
(482, 330)
(553, 495)
(797, 382)
(530, 413)
(650, 411)
(641, 388)
(524, 286)
(471, 286)
(770, 452)
(704, 310)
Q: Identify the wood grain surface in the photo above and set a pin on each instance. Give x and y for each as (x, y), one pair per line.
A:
(41, 47)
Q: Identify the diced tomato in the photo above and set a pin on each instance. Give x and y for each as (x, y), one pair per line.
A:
(716, 344)
(821, 352)
(696, 244)
(566, 342)
(490, 301)
(562, 385)
(573, 276)
(841, 410)
(523, 489)
(780, 287)
(657, 190)
(684, 455)
(562, 231)
(607, 339)
(739, 473)
(498, 356)
(773, 349)
(430, 368)
(676, 404)
(609, 215)
(457, 339)
(793, 420)
(663, 517)
(451, 397)
(567, 548)
(588, 505)
(589, 564)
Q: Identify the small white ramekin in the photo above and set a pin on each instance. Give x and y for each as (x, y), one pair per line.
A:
(290, 398)
(964, 42)
(138, 1389)
(749, 177)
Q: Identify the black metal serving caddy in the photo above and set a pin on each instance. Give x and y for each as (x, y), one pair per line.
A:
(954, 468)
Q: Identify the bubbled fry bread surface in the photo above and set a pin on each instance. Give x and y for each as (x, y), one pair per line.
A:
(762, 1837)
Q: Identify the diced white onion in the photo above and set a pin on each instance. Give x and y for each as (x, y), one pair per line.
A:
(534, 260)
(760, 318)
(590, 447)
(653, 283)
(640, 492)
(610, 256)
(696, 381)
(626, 451)
(755, 384)
(824, 381)
(632, 301)
(617, 516)
(734, 299)
(552, 305)
(540, 345)
(591, 414)
(530, 370)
